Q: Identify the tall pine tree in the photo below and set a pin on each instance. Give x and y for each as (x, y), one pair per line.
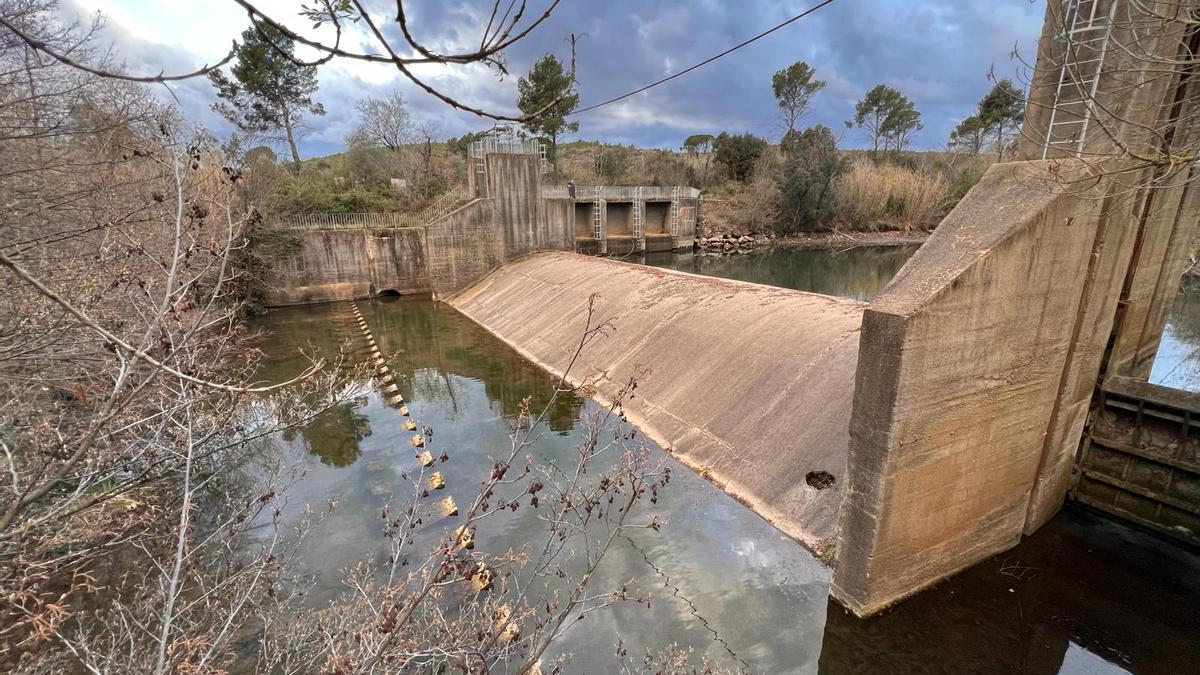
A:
(546, 82)
(269, 92)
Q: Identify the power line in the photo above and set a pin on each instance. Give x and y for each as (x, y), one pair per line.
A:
(707, 61)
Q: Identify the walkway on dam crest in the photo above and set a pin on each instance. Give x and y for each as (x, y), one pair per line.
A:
(739, 373)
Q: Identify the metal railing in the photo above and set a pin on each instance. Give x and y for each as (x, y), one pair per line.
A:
(347, 221)
(456, 197)
(627, 193)
(507, 142)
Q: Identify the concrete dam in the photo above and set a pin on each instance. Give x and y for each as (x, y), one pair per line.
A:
(901, 440)
(763, 429)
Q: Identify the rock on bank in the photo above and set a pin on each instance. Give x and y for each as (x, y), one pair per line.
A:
(749, 385)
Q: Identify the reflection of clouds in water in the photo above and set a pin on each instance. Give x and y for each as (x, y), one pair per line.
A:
(1177, 363)
(739, 573)
(1079, 661)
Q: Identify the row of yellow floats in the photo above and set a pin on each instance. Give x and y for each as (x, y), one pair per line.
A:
(482, 578)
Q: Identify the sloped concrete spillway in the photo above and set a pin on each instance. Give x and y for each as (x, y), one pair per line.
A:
(708, 396)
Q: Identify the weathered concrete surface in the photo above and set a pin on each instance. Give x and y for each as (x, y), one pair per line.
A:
(749, 385)
(1167, 233)
(1111, 251)
(1132, 90)
(1141, 109)
(346, 264)
(441, 257)
(525, 220)
(463, 247)
(961, 360)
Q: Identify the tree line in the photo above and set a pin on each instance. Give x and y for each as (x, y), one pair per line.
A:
(268, 94)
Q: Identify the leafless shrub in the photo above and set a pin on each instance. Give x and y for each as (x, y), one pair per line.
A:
(452, 607)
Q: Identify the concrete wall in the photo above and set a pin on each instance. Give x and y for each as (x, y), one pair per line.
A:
(346, 264)
(749, 385)
(961, 361)
(514, 185)
(1132, 88)
(463, 247)
(656, 217)
(620, 219)
(560, 226)
(1111, 251)
(583, 220)
(1140, 259)
(1165, 240)
(441, 257)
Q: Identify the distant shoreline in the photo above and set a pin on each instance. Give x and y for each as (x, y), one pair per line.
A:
(853, 239)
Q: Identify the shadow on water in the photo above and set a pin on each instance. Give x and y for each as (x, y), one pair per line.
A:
(1083, 595)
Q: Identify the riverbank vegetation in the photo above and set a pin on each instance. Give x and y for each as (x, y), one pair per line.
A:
(146, 525)
(803, 183)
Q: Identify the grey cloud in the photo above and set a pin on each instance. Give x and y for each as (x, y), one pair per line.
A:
(936, 51)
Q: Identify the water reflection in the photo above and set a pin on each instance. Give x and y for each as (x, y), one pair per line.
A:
(1084, 594)
(721, 580)
(1177, 363)
(333, 435)
(859, 272)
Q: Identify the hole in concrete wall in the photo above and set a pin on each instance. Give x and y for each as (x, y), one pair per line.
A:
(388, 294)
(820, 479)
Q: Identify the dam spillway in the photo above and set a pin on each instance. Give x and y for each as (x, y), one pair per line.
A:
(770, 432)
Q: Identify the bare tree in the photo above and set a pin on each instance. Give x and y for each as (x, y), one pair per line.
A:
(1114, 87)
(123, 369)
(508, 23)
(129, 539)
(383, 122)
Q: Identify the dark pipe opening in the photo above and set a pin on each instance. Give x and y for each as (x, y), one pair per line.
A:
(820, 479)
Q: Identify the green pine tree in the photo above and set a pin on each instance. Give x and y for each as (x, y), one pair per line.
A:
(268, 92)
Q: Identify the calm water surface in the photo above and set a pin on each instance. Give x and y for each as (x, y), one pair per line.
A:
(1084, 595)
(858, 273)
(1178, 361)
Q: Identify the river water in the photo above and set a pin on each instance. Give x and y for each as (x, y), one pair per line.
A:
(1083, 595)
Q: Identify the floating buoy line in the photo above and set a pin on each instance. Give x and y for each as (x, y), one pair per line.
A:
(481, 578)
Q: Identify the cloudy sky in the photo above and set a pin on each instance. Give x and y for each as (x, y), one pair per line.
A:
(938, 52)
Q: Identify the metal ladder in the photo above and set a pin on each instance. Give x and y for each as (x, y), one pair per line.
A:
(638, 218)
(674, 215)
(597, 215)
(1084, 31)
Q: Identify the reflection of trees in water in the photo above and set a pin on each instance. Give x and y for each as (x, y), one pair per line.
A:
(859, 272)
(430, 345)
(429, 348)
(333, 435)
